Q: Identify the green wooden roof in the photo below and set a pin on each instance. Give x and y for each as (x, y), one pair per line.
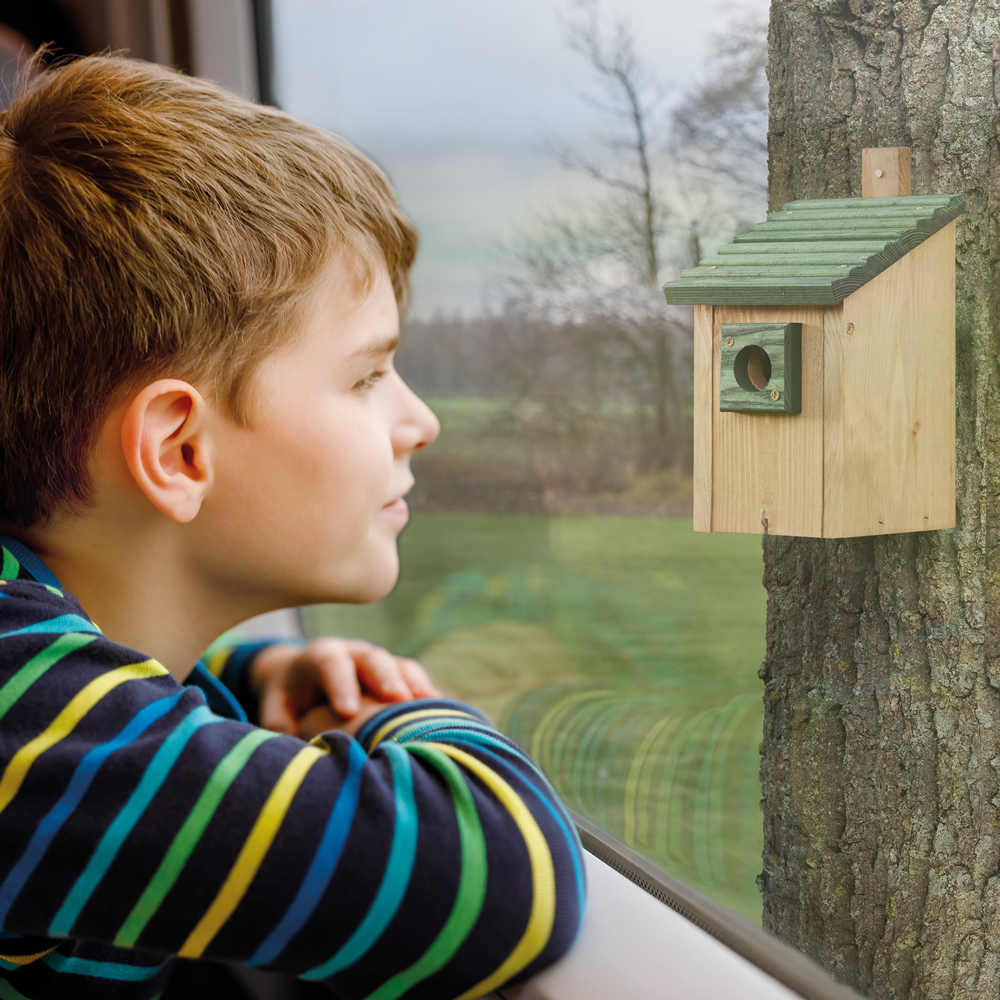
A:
(814, 253)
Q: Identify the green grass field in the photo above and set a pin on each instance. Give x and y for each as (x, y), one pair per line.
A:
(623, 652)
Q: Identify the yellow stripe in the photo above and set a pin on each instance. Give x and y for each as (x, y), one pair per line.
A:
(60, 727)
(26, 959)
(426, 713)
(633, 779)
(539, 749)
(252, 854)
(217, 661)
(543, 880)
(646, 779)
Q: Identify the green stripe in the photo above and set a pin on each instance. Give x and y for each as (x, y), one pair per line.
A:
(188, 836)
(7, 992)
(471, 882)
(11, 567)
(38, 664)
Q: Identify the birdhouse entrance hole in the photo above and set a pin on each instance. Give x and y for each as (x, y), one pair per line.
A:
(760, 368)
(753, 367)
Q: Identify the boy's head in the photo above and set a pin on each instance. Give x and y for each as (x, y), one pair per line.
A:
(199, 311)
(155, 225)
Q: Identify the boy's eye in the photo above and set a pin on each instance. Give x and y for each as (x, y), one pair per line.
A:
(369, 380)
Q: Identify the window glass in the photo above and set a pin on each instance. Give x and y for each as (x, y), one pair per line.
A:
(550, 573)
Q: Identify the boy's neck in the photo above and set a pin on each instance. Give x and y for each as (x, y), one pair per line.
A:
(138, 588)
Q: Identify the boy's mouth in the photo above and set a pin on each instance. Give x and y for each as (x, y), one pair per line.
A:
(396, 508)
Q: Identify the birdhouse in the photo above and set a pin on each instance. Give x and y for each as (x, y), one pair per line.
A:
(824, 365)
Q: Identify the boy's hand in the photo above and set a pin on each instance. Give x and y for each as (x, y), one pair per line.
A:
(347, 677)
(323, 718)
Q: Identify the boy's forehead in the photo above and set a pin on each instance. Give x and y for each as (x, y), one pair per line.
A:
(361, 316)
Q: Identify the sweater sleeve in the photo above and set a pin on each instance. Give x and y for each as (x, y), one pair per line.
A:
(426, 858)
(230, 663)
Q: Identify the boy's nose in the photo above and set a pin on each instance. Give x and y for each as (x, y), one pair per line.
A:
(418, 427)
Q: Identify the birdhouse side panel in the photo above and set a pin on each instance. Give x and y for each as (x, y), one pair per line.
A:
(890, 420)
(770, 462)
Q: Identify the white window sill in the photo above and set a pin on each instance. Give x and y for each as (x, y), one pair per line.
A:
(632, 945)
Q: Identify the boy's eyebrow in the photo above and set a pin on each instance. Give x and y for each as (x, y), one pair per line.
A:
(377, 350)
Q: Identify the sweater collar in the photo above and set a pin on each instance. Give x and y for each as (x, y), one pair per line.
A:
(20, 563)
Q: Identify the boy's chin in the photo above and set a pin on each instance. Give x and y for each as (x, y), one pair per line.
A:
(372, 587)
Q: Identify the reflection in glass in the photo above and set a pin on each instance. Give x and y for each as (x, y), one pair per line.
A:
(621, 652)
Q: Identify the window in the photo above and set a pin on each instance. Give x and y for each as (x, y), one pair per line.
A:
(550, 574)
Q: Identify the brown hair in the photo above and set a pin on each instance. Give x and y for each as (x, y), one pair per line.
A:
(154, 225)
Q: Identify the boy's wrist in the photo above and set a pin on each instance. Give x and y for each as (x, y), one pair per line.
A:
(267, 662)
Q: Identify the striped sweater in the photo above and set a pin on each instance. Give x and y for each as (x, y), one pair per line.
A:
(142, 819)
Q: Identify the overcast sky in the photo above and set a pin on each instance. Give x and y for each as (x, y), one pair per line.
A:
(455, 98)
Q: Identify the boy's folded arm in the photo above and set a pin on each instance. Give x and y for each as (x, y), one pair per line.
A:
(428, 851)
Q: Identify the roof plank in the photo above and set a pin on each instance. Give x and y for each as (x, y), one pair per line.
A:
(815, 252)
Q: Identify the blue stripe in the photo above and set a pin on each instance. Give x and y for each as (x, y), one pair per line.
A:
(85, 773)
(29, 561)
(220, 699)
(324, 863)
(418, 704)
(397, 873)
(102, 970)
(154, 776)
(549, 800)
(64, 623)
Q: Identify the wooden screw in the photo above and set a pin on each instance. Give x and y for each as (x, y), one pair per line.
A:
(775, 395)
(729, 341)
(850, 329)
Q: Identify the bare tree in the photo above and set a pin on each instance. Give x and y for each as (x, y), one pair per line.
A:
(589, 278)
(630, 103)
(719, 138)
(596, 340)
(720, 127)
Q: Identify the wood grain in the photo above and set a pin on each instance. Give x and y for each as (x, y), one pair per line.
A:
(833, 424)
(897, 397)
(894, 162)
(705, 404)
(764, 461)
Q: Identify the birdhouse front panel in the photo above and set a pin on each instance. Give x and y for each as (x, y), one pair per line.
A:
(863, 290)
(759, 461)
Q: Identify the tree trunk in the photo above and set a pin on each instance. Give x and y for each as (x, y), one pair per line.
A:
(881, 747)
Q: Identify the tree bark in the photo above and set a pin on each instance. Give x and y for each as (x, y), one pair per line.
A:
(881, 749)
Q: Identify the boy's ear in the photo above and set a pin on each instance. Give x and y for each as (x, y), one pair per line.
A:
(165, 441)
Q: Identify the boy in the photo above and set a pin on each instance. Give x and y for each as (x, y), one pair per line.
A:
(201, 423)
